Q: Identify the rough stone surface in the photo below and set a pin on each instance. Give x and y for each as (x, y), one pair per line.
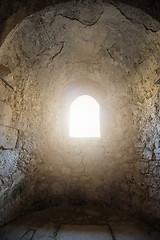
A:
(8, 137)
(116, 47)
(5, 113)
(14, 11)
(8, 162)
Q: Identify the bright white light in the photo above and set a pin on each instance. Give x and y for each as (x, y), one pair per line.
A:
(84, 117)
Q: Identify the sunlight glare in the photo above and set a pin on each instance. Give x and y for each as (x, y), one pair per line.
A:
(84, 117)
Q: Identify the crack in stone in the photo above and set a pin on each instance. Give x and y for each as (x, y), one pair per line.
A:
(34, 231)
(6, 83)
(59, 52)
(56, 232)
(29, 230)
(112, 57)
(8, 126)
(16, 145)
(111, 231)
(130, 19)
(110, 54)
(7, 149)
(158, 81)
(78, 20)
(149, 29)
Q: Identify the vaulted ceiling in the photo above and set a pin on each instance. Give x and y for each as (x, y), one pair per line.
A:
(13, 11)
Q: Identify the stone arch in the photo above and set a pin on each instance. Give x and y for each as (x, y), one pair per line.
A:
(83, 87)
(73, 90)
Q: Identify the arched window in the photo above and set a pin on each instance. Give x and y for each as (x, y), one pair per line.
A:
(84, 117)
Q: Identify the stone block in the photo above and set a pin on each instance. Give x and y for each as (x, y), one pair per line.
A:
(46, 233)
(5, 114)
(88, 232)
(8, 162)
(8, 137)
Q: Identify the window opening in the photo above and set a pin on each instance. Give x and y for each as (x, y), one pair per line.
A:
(84, 118)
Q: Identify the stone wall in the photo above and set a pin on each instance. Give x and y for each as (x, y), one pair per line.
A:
(115, 46)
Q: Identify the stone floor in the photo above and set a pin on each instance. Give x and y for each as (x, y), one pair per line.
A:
(76, 223)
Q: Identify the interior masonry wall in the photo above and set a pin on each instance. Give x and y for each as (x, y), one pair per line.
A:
(117, 47)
